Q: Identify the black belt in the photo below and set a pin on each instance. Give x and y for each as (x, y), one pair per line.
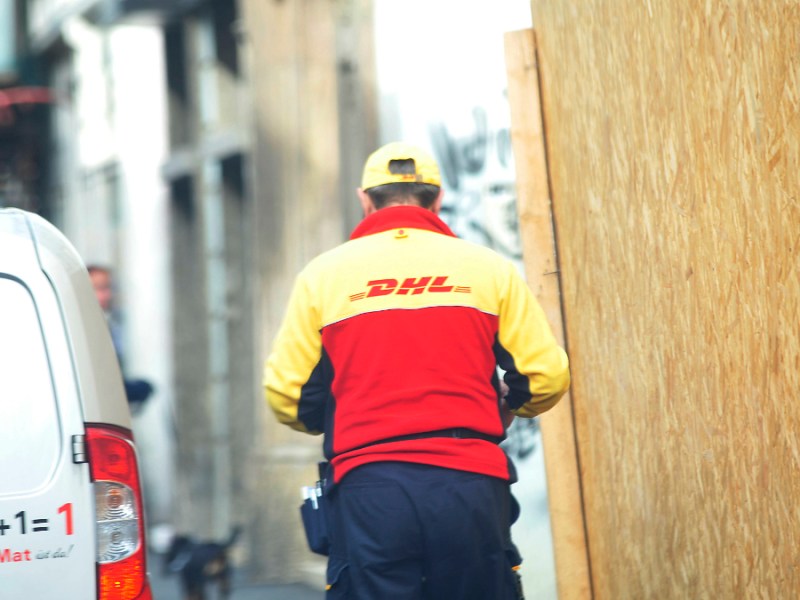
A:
(456, 432)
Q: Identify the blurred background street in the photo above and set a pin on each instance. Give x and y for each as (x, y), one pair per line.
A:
(166, 586)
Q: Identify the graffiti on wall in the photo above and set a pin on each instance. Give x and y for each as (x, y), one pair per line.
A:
(521, 438)
(478, 176)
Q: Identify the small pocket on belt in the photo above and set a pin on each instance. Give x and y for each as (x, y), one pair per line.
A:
(314, 513)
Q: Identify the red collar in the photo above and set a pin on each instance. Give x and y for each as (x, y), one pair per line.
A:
(393, 217)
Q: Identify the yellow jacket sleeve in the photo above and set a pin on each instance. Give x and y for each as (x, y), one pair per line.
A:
(296, 354)
(537, 368)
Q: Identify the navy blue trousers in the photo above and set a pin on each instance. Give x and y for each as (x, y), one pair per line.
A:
(402, 531)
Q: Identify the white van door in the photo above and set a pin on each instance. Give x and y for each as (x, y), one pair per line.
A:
(47, 520)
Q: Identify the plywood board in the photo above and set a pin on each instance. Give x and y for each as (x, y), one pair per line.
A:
(673, 136)
(538, 249)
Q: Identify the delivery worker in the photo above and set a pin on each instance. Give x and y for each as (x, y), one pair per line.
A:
(390, 346)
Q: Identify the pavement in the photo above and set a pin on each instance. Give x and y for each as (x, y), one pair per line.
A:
(166, 586)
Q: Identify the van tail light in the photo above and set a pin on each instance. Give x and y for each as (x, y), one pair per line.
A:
(121, 548)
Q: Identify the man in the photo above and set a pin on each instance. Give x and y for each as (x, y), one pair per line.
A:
(137, 390)
(390, 347)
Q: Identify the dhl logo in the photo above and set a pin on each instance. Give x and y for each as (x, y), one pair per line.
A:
(409, 286)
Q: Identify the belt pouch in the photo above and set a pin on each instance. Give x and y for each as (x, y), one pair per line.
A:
(314, 513)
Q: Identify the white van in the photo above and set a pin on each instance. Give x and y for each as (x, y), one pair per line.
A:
(71, 514)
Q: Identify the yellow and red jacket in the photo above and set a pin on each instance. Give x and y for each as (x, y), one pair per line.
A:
(391, 343)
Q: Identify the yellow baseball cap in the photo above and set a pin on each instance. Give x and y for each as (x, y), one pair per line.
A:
(376, 169)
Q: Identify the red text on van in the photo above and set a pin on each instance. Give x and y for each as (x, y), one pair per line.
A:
(6, 555)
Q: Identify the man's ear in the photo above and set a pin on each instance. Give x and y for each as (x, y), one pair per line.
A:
(366, 202)
(437, 204)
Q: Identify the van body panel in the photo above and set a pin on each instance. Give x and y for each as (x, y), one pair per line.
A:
(29, 403)
(58, 372)
(48, 550)
(95, 359)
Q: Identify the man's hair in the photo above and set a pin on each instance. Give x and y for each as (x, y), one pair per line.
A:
(423, 194)
(94, 268)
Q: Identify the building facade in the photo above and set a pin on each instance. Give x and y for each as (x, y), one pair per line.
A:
(24, 105)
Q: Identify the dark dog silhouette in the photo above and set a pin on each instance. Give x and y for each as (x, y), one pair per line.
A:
(200, 564)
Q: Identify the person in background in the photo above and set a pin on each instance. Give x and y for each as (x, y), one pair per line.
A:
(391, 346)
(137, 390)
